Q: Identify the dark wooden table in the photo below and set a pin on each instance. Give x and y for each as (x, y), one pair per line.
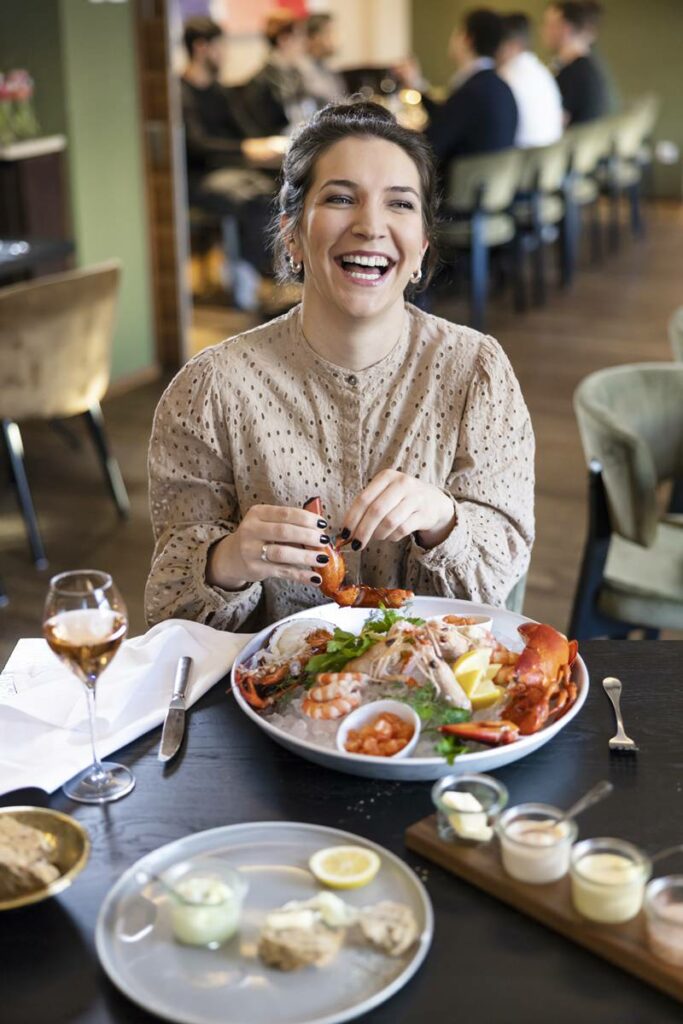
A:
(488, 964)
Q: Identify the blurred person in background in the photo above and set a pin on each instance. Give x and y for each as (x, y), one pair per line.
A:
(275, 98)
(569, 30)
(480, 115)
(539, 104)
(321, 83)
(594, 15)
(222, 178)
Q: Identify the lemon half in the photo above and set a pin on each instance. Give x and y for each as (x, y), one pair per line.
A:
(344, 867)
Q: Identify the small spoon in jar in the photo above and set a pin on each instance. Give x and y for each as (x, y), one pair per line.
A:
(666, 852)
(596, 793)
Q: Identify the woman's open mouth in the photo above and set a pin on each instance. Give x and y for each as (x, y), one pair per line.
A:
(365, 269)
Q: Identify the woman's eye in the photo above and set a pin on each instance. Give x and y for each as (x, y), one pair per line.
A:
(340, 200)
(403, 204)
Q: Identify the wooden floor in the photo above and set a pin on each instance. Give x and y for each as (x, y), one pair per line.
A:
(616, 313)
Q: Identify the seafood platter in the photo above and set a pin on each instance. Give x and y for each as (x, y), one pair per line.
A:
(426, 688)
(282, 922)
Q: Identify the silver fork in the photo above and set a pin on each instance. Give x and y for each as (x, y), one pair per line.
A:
(620, 741)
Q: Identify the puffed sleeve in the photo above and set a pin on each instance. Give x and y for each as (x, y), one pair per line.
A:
(193, 501)
(492, 488)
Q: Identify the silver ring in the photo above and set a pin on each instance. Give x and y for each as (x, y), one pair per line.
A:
(264, 553)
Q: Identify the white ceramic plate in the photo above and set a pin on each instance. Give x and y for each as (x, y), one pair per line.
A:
(505, 625)
(230, 985)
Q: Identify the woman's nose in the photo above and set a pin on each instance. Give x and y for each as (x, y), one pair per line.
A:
(369, 223)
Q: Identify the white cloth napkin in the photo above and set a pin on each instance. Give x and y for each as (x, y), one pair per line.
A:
(44, 732)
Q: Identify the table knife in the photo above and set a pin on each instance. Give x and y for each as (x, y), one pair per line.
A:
(174, 726)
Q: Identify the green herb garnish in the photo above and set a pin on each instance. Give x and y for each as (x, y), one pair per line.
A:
(449, 747)
(432, 708)
(382, 620)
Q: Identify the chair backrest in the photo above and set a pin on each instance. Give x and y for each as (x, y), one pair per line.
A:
(631, 420)
(515, 599)
(590, 143)
(55, 342)
(676, 334)
(634, 125)
(545, 167)
(488, 181)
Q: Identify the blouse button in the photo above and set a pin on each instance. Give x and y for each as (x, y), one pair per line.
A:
(352, 380)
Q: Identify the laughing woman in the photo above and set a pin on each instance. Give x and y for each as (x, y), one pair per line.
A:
(413, 430)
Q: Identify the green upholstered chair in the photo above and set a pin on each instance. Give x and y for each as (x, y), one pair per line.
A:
(676, 334)
(621, 176)
(55, 354)
(515, 599)
(631, 424)
(540, 207)
(478, 217)
(590, 146)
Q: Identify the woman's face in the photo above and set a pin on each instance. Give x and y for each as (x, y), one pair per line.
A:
(361, 234)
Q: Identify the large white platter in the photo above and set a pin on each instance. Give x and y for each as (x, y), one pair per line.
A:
(230, 985)
(505, 625)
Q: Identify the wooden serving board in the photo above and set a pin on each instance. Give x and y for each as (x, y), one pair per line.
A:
(622, 944)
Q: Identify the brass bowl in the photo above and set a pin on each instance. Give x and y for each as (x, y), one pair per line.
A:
(70, 842)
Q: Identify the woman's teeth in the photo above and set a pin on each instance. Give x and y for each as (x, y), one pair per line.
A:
(366, 268)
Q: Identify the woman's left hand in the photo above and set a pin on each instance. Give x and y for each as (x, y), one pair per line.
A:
(393, 506)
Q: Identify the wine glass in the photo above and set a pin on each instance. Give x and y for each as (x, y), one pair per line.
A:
(84, 622)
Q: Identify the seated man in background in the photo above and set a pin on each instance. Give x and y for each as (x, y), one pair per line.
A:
(220, 180)
(275, 98)
(480, 115)
(569, 31)
(539, 104)
(321, 83)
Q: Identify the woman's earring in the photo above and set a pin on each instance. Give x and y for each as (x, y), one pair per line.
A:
(295, 267)
(416, 276)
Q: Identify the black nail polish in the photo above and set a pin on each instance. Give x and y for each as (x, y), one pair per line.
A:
(345, 534)
(316, 579)
(324, 539)
(323, 559)
(322, 523)
(356, 544)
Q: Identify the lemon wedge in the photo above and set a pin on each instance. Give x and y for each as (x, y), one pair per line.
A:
(470, 668)
(485, 695)
(344, 867)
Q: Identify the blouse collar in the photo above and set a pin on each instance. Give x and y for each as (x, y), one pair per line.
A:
(363, 380)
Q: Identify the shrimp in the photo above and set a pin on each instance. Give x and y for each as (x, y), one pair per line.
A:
(334, 694)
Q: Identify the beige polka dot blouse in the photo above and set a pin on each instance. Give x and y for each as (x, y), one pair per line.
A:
(262, 419)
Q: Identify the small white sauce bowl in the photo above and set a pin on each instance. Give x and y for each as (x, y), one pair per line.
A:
(367, 713)
(480, 625)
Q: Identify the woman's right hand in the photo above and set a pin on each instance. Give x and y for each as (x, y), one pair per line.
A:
(271, 540)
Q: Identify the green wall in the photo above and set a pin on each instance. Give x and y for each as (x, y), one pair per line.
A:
(106, 163)
(640, 41)
(82, 58)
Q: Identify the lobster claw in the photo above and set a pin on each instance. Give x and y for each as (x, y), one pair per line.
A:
(493, 734)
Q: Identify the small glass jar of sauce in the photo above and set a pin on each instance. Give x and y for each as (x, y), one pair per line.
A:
(608, 879)
(206, 897)
(467, 805)
(664, 918)
(534, 844)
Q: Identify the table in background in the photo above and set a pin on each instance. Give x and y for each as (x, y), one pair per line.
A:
(26, 257)
(487, 964)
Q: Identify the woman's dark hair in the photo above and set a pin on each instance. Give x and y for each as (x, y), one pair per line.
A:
(484, 29)
(199, 28)
(333, 124)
